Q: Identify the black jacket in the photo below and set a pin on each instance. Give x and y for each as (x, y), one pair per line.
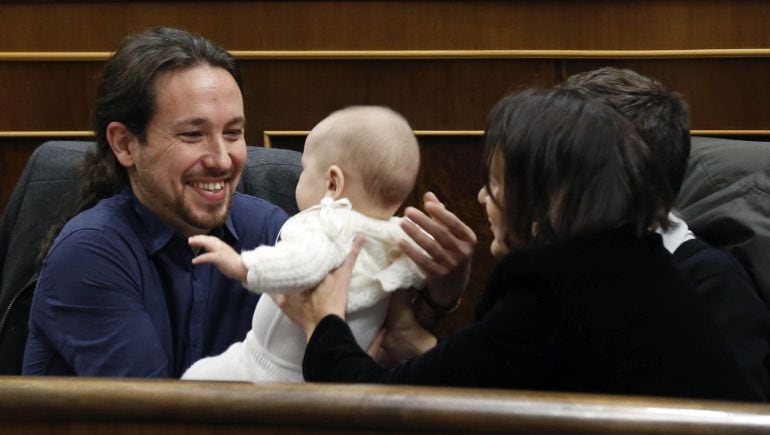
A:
(603, 314)
(732, 300)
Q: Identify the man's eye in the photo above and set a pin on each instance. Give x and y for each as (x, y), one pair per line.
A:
(234, 134)
(191, 135)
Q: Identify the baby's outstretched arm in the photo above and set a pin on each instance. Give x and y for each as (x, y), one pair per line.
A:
(220, 254)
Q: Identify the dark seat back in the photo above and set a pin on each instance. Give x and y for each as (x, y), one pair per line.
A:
(46, 193)
(725, 199)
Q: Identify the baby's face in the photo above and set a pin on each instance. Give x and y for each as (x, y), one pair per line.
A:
(312, 183)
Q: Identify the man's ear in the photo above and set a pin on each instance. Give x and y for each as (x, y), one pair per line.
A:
(335, 182)
(121, 141)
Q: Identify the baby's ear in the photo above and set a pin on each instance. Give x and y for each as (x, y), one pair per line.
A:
(335, 182)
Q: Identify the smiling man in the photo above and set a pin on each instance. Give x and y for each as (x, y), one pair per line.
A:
(118, 294)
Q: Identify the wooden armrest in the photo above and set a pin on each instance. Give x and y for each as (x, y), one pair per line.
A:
(116, 406)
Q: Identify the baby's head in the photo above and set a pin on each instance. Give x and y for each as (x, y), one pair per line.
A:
(367, 154)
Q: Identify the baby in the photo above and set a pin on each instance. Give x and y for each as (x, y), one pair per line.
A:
(358, 166)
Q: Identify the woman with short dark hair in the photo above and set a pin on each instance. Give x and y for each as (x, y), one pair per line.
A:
(585, 298)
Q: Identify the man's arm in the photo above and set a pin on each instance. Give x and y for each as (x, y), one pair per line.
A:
(88, 306)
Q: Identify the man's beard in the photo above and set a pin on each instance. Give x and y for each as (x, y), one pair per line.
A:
(213, 216)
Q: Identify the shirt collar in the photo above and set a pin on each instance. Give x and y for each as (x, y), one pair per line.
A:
(676, 234)
(155, 233)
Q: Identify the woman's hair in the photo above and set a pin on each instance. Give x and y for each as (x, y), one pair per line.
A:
(126, 94)
(573, 166)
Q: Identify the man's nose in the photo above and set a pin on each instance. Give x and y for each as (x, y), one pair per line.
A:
(217, 155)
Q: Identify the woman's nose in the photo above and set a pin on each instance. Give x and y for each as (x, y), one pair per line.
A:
(482, 196)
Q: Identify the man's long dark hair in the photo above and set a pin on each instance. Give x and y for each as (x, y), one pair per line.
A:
(126, 94)
(573, 165)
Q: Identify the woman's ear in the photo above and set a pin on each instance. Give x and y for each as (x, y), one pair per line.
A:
(120, 140)
(335, 182)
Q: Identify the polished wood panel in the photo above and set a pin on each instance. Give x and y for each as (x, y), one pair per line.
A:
(47, 92)
(438, 94)
(286, 25)
(47, 95)
(291, 94)
(435, 94)
(108, 406)
(723, 94)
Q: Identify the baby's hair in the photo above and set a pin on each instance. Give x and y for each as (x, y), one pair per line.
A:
(375, 145)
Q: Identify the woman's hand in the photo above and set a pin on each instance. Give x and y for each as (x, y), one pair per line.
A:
(330, 296)
(449, 245)
(401, 337)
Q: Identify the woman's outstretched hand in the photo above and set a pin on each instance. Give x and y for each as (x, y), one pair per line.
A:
(448, 246)
(330, 296)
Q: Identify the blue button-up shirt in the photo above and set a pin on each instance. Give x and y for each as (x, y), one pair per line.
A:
(119, 296)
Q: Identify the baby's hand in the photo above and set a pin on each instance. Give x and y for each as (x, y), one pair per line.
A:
(220, 254)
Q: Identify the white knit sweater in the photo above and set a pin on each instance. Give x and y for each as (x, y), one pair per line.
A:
(311, 244)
